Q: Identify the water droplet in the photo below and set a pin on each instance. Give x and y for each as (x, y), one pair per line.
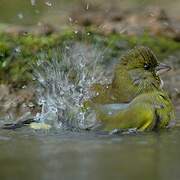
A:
(87, 6)
(177, 90)
(23, 87)
(103, 26)
(70, 19)
(97, 94)
(151, 14)
(24, 105)
(76, 32)
(39, 62)
(20, 16)
(31, 105)
(67, 47)
(18, 49)
(48, 3)
(165, 23)
(88, 33)
(110, 113)
(37, 117)
(33, 2)
(61, 93)
(4, 64)
(41, 101)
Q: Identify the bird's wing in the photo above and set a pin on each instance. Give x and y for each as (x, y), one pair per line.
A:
(125, 116)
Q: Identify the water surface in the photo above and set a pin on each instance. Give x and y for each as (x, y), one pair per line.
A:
(26, 154)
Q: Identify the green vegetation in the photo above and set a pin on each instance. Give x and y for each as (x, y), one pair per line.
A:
(18, 53)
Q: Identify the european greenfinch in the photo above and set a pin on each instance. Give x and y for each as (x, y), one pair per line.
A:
(135, 98)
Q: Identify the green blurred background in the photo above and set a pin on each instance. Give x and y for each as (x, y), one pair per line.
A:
(30, 12)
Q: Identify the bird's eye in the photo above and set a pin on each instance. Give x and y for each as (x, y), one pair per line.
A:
(146, 66)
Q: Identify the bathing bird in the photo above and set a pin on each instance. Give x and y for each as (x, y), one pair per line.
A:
(135, 98)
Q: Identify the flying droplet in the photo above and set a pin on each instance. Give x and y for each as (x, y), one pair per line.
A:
(24, 105)
(33, 2)
(151, 14)
(110, 113)
(177, 90)
(76, 32)
(165, 24)
(97, 94)
(48, 3)
(31, 105)
(23, 87)
(87, 6)
(20, 16)
(70, 19)
(18, 49)
(61, 93)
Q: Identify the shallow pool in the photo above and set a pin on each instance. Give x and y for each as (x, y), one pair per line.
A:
(27, 154)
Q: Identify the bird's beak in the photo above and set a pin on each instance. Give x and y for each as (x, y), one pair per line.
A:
(162, 68)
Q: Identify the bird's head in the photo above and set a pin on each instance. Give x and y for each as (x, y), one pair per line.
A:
(143, 68)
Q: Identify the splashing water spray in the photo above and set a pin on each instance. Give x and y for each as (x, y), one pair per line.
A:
(64, 85)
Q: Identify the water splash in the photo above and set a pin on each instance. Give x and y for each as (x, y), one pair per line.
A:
(64, 85)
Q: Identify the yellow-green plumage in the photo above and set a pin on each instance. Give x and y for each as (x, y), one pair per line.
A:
(148, 111)
(135, 98)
